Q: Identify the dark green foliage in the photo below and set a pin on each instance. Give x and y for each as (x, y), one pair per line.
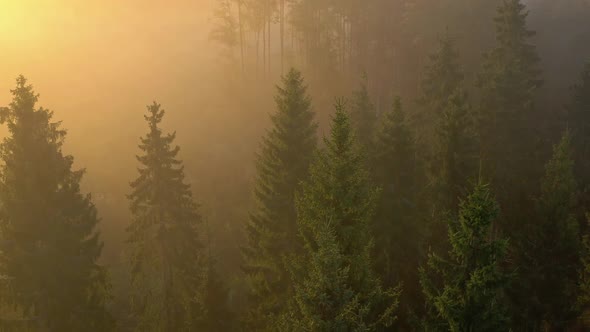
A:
(286, 152)
(218, 317)
(465, 291)
(49, 246)
(449, 140)
(507, 125)
(338, 290)
(443, 77)
(398, 226)
(166, 253)
(583, 295)
(455, 159)
(550, 252)
(508, 82)
(578, 122)
(363, 116)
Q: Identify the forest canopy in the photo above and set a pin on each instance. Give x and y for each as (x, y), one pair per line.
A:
(301, 165)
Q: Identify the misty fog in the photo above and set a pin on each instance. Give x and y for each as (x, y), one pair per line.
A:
(97, 64)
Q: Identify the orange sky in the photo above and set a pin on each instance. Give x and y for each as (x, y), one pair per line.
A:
(97, 63)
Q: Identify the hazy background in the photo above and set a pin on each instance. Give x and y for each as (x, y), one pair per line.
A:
(98, 63)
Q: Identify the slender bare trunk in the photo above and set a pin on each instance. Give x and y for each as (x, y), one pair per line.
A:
(264, 45)
(241, 34)
(282, 13)
(269, 37)
(257, 53)
(343, 43)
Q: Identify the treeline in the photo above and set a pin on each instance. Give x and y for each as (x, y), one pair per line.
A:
(458, 212)
(334, 42)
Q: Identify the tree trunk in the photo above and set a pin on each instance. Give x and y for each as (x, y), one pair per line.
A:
(282, 14)
(257, 53)
(241, 35)
(268, 34)
(264, 45)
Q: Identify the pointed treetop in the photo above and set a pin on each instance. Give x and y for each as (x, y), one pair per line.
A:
(559, 177)
(511, 22)
(341, 133)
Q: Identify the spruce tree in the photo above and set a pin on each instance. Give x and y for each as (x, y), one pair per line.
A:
(551, 250)
(465, 291)
(507, 124)
(455, 159)
(49, 245)
(338, 290)
(364, 116)
(507, 85)
(448, 137)
(166, 252)
(583, 294)
(398, 227)
(286, 153)
(442, 79)
(578, 121)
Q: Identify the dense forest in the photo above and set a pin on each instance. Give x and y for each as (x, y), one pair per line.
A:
(363, 165)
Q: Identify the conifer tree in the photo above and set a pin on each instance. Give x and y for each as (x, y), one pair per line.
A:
(338, 290)
(465, 291)
(508, 83)
(49, 246)
(398, 226)
(578, 122)
(551, 250)
(442, 79)
(507, 124)
(448, 137)
(583, 297)
(455, 159)
(166, 252)
(226, 29)
(363, 116)
(286, 153)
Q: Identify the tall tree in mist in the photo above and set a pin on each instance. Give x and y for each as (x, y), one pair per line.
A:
(454, 162)
(447, 136)
(578, 121)
(166, 252)
(398, 226)
(338, 290)
(465, 291)
(49, 246)
(507, 125)
(283, 162)
(364, 116)
(227, 30)
(443, 77)
(583, 290)
(551, 250)
(507, 85)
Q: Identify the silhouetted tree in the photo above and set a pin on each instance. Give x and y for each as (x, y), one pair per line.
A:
(286, 153)
(364, 117)
(551, 250)
(399, 226)
(49, 246)
(166, 253)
